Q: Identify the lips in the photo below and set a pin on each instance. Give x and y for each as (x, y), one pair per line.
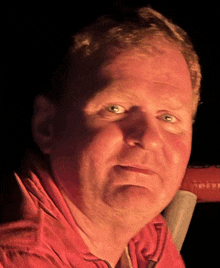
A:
(145, 171)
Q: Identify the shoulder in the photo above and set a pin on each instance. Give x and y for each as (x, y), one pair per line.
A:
(170, 256)
(154, 243)
(20, 226)
(21, 258)
(40, 235)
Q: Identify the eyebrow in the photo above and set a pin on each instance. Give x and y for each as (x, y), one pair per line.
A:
(173, 103)
(179, 103)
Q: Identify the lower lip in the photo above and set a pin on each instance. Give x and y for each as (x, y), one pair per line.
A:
(137, 170)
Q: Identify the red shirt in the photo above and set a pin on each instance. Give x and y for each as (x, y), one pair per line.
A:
(45, 235)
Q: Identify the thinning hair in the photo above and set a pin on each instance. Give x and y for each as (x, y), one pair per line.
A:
(118, 32)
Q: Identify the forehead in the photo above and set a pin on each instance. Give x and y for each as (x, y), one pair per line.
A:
(164, 71)
(163, 63)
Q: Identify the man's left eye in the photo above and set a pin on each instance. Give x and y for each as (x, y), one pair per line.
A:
(115, 109)
(169, 118)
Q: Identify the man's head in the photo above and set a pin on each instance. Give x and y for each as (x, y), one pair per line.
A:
(119, 135)
(107, 37)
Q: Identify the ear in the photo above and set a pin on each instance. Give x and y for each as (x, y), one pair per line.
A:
(43, 123)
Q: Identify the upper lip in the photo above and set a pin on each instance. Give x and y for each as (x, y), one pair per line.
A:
(138, 169)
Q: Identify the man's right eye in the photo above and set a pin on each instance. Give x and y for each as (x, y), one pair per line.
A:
(115, 109)
(113, 112)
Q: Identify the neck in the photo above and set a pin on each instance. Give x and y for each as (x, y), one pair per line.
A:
(105, 238)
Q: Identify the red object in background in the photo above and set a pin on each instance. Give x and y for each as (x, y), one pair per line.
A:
(204, 183)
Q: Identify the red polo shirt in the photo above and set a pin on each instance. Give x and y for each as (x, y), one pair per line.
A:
(45, 234)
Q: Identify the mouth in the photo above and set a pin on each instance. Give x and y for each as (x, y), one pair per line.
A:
(135, 169)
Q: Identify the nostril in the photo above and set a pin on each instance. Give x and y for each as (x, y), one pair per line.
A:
(139, 144)
(133, 138)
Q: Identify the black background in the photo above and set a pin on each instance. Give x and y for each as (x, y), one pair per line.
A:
(34, 38)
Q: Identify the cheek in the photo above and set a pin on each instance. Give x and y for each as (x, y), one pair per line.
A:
(104, 144)
(178, 154)
(181, 150)
(97, 160)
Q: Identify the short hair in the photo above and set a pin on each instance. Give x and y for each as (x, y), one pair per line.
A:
(129, 29)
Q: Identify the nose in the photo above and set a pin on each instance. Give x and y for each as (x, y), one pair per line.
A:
(143, 131)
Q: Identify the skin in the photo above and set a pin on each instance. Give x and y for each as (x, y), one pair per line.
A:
(125, 160)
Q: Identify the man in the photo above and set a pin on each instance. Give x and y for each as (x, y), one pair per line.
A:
(115, 138)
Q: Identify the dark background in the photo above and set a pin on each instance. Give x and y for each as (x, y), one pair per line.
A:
(33, 40)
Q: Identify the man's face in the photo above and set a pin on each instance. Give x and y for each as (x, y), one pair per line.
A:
(126, 151)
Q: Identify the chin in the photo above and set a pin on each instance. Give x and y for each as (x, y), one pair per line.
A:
(137, 203)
